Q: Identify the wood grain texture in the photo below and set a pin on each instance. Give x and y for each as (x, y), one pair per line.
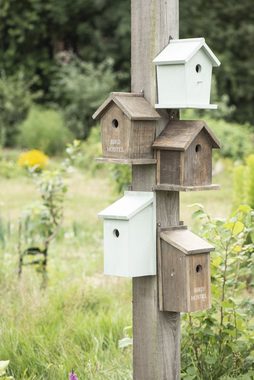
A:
(164, 187)
(186, 241)
(198, 162)
(185, 280)
(179, 134)
(126, 161)
(156, 344)
(115, 141)
(141, 139)
(169, 171)
(133, 105)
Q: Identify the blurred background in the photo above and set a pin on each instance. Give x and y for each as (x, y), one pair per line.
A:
(59, 59)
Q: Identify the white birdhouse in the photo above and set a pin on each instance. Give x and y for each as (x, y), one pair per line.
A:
(130, 235)
(184, 74)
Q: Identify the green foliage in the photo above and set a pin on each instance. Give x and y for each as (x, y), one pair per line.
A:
(71, 326)
(34, 31)
(244, 183)
(90, 149)
(228, 29)
(44, 129)
(40, 222)
(79, 88)
(121, 176)
(15, 101)
(218, 344)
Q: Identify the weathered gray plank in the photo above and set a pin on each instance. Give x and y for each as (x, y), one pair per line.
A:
(165, 187)
(156, 345)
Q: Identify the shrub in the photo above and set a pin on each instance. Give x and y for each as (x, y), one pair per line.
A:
(218, 343)
(15, 101)
(79, 88)
(243, 190)
(44, 129)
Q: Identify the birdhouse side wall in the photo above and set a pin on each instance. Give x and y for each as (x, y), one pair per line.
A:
(198, 267)
(142, 136)
(198, 73)
(198, 162)
(142, 254)
(171, 84)
(174, 277)
(115, 133)
(116, 247)
(169, 167)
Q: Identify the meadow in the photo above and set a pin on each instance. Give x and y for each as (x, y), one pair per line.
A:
(79, 319)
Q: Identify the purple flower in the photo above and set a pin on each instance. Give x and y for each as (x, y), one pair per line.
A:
(73, 376)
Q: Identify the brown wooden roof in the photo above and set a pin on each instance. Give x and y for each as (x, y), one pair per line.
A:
(133, 105)
(179, 134)
(186, 241)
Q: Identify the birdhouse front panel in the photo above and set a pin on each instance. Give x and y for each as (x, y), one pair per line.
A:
(129, 236)
(116, 243)
(198, 73)
(198, 267)
(184, 271)
(115, 133)
(128, 127)
(184, 73)
(184, 154)
(198, 161)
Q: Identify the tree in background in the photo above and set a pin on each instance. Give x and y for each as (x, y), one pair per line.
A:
(33, 32)
(228, 27)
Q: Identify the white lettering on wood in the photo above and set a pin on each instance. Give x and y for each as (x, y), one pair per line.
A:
(199, 294)
(115, 142)
(118, 149)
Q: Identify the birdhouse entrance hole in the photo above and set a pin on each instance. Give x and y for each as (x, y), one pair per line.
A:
(116, 233)
(198, 148)
(114, 123)
(199, 268)
(198, 68)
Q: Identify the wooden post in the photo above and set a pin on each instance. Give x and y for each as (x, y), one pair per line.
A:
(156, 343)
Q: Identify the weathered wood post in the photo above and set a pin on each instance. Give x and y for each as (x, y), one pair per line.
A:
(167, 156)
(156, 347)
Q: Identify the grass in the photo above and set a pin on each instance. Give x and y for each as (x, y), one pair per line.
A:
(78, 320)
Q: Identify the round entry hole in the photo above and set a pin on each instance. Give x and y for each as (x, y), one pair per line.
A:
(198, 68)
(114, 123)
(198, 148)
(199, 268)
(116, 233)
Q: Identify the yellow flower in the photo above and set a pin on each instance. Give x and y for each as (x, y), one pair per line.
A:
(33, 159)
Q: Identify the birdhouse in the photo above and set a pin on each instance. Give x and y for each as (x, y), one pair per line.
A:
(184, 156)
(184, 74)
(128, 124)
(184, 271)
(129, 236)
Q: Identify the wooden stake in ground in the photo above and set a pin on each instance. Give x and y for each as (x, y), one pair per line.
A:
(156, 345)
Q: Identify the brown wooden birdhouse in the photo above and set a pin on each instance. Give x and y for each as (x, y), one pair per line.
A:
(128, 125)
(184, 271)
(184, 156)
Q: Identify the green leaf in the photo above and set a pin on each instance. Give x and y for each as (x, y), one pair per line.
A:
(238, 228)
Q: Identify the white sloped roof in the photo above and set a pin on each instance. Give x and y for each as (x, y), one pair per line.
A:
(181, 51)
(129, 205)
